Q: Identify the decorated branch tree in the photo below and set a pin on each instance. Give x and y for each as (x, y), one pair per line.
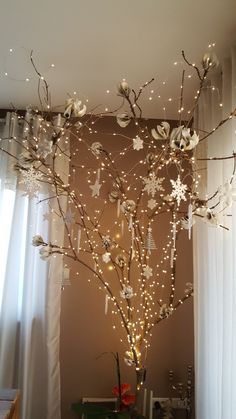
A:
(150, 176)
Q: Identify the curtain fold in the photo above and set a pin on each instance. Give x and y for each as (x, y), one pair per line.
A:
(30, 290)
(215, 259)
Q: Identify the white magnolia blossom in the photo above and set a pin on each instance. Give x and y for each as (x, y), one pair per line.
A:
(185, 223)
(129, 358)
(44, 148)
(189, 288)
(123, 88)
(45, 252)
(165, 311)
(181, 139)
(96, 148)
(227, 194)
(209, 60)
(208, 216)
(150, 158)
(128, 205)
(127, 292)
(162, 132)
(113, 196)
(25, 160)
(123, 119)
(74, 107)
(37, 240)
(120, 260)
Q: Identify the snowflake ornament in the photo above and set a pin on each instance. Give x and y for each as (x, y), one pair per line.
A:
(153, 184)
(106, 257)
(31, 180)
(179, 190)
(147, 271)
(137, 143)
(152, 203)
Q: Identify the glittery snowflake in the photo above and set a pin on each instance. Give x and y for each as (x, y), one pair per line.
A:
(179, 190)
(31, 180)
(147, 271)
(153, 184)
(137, 143)
(152, 203)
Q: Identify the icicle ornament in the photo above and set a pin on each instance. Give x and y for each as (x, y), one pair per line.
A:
(106, 303)
(78, 240)
(190, 220)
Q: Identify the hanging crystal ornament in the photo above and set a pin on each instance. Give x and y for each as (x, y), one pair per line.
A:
(122, 227)
(150, 243)
(190, 220)
(118, 208)
(130, 222)
(78, 240)
(65, 278)
(174, 234)
(106, 303)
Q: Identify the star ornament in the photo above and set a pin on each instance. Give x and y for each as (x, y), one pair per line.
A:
(69, 217)
(95, 188)
(179, 190)
(137, 143)
(147, 271)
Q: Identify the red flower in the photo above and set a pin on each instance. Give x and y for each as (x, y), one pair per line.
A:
(126, 399)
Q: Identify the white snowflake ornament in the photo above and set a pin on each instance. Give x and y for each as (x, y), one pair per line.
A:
(106, 257)
(152, 203)
(179, 190)
(147, 271)
(153, 184)
(31, 180)
(137, 143)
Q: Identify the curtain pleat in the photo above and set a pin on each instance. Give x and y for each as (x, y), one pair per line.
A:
(215, 260)
(31, 291)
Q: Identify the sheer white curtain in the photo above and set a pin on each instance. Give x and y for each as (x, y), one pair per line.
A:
(29, 295)
(215, 261)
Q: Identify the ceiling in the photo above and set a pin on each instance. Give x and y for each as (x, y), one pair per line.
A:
(95, 44)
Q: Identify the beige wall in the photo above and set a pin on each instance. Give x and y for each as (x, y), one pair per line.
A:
(86, 332)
